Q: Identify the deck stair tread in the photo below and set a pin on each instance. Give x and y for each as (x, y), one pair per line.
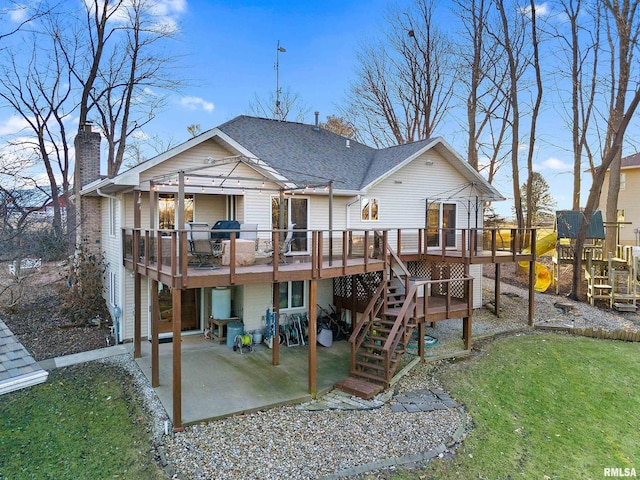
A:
(359, 387)
(368, 376)
(373, 366)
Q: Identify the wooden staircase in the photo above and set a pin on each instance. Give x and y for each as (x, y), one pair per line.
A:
(381, 336)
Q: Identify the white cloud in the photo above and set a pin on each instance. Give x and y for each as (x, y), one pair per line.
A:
(12, 125)
(553, 163)
(194, 103)
(163, 14)
(140, 135)
(18, 14)
(542, 9)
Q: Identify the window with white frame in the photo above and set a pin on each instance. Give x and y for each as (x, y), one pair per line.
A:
(112, 217)
(292, 295)
(113, 289)
(623, 181)
(369, 209)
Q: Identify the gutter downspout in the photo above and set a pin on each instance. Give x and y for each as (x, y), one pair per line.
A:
(118, 312)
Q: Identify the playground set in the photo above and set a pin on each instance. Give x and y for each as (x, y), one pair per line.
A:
(612, 277)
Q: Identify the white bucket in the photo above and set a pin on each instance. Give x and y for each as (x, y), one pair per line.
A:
(257, 337)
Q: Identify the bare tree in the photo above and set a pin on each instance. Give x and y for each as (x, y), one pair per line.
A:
(622, 23)
(404, 86)
(124, 77)
(140, 146)
(104, 64)
(40, 97)
(511, 38)
(483, 75)
(582, 43)
(340, 126)
(535, 41)
(622, 27)
(290, 106)
(24, 18)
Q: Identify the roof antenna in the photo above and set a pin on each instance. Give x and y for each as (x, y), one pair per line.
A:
(317, 127)
(277, 113)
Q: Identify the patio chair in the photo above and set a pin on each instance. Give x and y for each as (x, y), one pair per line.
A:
(285, 247)
(203, 249)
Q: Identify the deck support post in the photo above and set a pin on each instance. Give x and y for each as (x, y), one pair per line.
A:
(177, 359)
(155, 341)
(496, 289)
(421, 339)
(466, 332)
(275, 351)
(532, 291)
(137, 317)
(313, 380)
(137, 278)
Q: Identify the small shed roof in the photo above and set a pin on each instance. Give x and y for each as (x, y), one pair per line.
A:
(568, 223)
(18, 369)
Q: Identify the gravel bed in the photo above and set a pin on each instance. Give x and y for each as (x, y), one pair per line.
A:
(289, 443)
(555, 310)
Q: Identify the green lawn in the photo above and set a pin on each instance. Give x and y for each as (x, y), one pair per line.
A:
(82, 423)
(545, 406)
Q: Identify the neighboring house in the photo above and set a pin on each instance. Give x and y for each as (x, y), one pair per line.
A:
(37, 202)
(628, 206)
(346, 200)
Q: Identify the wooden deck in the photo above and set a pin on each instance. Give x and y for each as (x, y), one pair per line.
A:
(329, 255)
(296, 268)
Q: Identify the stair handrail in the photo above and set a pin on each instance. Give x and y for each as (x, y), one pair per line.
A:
(399, 329)
(393, 258)
(365, 325)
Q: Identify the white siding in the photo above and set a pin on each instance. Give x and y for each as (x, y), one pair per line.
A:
(627, 201)
(476, 272)
(111, 247)
(403, 195)
(257, 298)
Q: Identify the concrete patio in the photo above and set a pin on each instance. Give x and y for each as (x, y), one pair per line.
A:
(218, 382)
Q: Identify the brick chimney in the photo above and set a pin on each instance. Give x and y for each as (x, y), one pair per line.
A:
(87, 170)
(87, 145)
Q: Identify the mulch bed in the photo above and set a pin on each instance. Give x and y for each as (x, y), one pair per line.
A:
(40, 327)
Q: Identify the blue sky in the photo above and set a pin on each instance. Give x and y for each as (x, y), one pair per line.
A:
(230, 52)
(227, 52)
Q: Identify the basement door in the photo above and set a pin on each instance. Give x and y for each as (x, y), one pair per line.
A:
(190, 310)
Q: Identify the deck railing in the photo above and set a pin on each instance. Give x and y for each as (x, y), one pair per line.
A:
(168, 250)
(468, 242)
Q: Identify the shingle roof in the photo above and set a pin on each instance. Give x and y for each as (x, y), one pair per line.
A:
(18, 369)
(304, 154)
(297, 149)
(631, 161)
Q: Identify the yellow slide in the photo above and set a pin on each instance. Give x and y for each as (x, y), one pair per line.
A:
(543, 275)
